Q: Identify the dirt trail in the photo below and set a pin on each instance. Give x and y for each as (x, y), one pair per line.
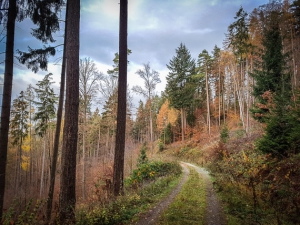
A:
(153, 214)
(213, 214)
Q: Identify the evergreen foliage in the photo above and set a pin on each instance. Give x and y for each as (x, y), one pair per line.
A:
(36, 59)
(238, 35)
(143, 156)
(45, 104)
(273, 95)
(273, 76)
(19, 121)
(181, 82)
(167, 134)
(224, 134)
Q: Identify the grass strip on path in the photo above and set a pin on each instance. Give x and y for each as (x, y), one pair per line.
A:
(189, 206)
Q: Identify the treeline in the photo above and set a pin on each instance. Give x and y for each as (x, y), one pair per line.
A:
(253, 79)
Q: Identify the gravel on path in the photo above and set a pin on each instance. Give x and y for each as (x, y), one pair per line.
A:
(213, 214)
(152, 216)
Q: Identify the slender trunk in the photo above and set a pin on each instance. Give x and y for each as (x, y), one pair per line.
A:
(107, 140)
(207, 100)
(182, 125)
(57, 132)
(67, 197)
(151, 125)
(43, 168)
(118, 174)
(83, 162)
(219, 95)
(98, 144)
(6, 103)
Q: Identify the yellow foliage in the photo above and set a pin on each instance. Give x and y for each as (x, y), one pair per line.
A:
(246, 159)
(26, 144)
(166, 115)
(25, 163)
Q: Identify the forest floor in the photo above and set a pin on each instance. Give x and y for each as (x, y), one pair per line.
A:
(213, 213)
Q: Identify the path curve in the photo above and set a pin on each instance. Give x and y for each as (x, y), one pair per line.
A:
(152, 216)
(213, 214)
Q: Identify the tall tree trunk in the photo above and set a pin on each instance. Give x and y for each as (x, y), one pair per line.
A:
(118, 174)
(219, 103)
(98, 144)
(43, 168)
(83, 158)
(182, 124)
(151, 125)
(207, 100)
(67, 197)
(7, 89)
(57, 131)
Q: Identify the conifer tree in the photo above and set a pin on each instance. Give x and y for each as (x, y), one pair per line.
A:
(67, 196)
(273, 76)
(181, 82)
(45, 112)
(19, 130)
(273, 92)
(7, 90)
(118, 174)
(205, 63)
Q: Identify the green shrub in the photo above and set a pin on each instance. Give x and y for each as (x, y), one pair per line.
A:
(167, 135)
(160, 145)
(143, 156)
(152, 170)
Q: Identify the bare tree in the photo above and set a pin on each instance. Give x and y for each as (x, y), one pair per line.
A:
(151, 79)
(88, 77)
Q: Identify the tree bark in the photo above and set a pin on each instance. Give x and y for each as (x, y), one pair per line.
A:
(57, 131)
(43, 168)
(207, 99)
(67, 198)
(118, 174)
(6, 103)
(182, 124)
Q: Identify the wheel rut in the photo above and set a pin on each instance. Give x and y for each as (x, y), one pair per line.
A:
(213, 213)
(152, 216)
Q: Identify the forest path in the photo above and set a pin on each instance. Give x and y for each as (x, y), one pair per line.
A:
(152, 216)
(213, 213)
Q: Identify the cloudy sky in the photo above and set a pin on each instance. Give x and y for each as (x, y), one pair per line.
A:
(155, 29)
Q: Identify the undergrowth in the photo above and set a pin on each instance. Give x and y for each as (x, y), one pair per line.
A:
(150, 182)
(256, 188)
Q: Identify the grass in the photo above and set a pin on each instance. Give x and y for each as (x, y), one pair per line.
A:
(189, 206)
(126, 209)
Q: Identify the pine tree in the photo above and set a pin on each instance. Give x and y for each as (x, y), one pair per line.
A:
(67, 196)
(19, 130)
(7, 90)
(272, 77)
(273, 92)
(205, 63)
(118, 174)
(181, 82)
(45, 112)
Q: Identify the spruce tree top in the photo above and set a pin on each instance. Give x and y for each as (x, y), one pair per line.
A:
(180, 83)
